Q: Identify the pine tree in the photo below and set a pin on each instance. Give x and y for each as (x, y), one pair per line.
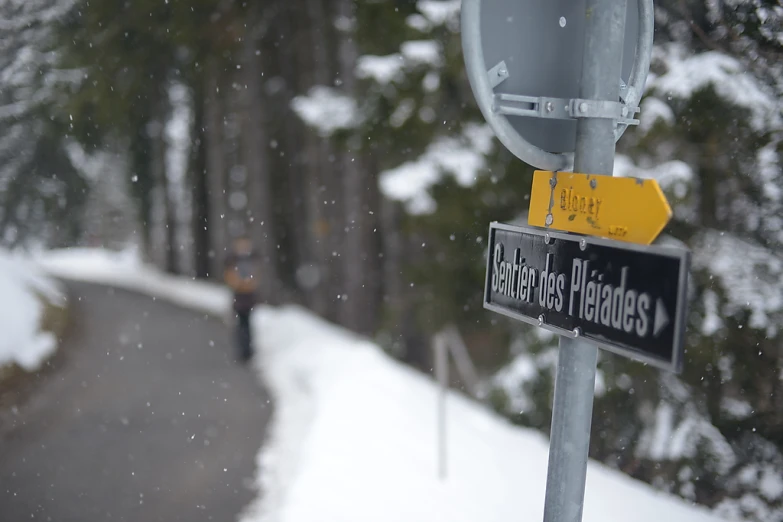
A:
(42, 192)
(710, 134)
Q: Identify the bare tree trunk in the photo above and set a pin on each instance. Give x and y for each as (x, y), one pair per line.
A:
(170, 212)
(709, 176)
(393, 245)
(200, 189)
(258, 182)
(142, 187)
(315, 276)
(216, 175)
(166, 222)
(157, 169)
(285, 156)
(373, 232)
(358, 251)
(236, 179)
(325, 166)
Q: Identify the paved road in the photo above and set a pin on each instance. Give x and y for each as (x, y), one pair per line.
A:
(148, 418)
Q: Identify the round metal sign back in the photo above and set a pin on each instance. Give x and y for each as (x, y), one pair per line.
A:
(521, 53)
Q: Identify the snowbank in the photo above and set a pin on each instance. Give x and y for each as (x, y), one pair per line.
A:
(125, 270)
(354, 433)
(22, 289)
(354, 439)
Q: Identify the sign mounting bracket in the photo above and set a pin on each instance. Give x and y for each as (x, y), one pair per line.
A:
(561, 108)
(498, 74)
(499, 36)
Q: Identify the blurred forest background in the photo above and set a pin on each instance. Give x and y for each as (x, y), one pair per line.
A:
(342, 136)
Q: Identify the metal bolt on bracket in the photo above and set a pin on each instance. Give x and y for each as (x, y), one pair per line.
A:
(553, 182)
(547, 239)
(501, 113)
(582, 244)
(540, 320)
(549, 219)
(593, 183)
(577, 332)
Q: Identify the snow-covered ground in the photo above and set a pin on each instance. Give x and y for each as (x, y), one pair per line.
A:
(23, 292)
(125, 270)
(354, 434)
(355, 440)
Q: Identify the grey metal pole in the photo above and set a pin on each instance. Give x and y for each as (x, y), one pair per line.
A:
(575, 380)
(442, 373)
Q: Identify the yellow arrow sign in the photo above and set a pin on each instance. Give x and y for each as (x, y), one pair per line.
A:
(626, 209)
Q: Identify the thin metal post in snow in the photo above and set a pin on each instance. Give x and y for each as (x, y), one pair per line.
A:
(575, 380)
(442, 374)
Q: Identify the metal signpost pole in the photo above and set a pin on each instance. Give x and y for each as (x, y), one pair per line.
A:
(442, 374)
(576, 367)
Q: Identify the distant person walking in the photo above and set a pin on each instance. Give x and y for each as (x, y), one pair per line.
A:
(241, 274)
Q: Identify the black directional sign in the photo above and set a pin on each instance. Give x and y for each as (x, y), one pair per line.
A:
(628, 299)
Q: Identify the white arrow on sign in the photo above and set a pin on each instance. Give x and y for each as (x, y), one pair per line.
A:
(661, 317)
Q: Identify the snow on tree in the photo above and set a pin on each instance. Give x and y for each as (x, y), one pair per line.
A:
(710, 134)
(39, 187)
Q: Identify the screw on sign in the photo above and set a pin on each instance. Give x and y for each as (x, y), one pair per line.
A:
(565, 98)
(524, 62)
(627, 209)
(627, 299)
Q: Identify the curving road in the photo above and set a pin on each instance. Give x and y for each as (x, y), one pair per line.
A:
(148, 418)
